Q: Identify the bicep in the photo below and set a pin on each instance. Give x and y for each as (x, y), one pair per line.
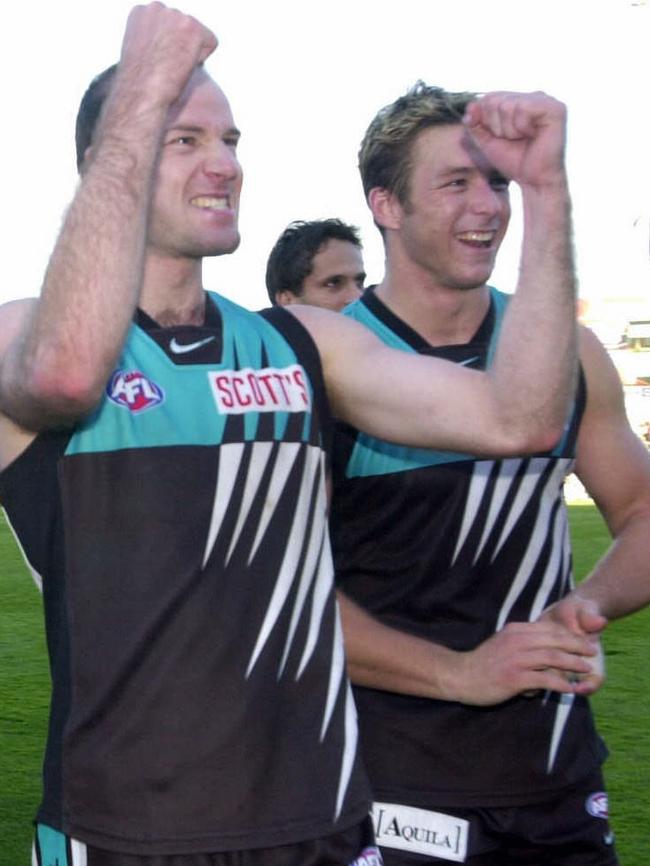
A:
(408, 398)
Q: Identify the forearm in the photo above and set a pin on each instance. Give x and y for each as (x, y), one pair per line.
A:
(380, 657)
(535, 365)
(620, 582)
(58, 366)
(521, 657)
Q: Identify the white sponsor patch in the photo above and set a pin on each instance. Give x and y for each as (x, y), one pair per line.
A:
(267, 390)
(421, 831)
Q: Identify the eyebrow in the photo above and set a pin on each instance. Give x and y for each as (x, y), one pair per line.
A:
(337, 276)
(490, 172)
(461, 169)
(187, 127)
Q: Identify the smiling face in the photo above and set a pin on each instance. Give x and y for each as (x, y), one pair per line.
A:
(196, 202)
(457, 210)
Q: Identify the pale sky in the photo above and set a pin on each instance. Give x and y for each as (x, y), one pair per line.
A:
(305, 79)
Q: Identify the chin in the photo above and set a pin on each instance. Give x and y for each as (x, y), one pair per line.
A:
(221, 247)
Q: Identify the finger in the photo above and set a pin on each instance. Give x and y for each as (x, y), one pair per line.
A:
(207, 41)
(590, 619)
(571, 664)
(550, 635)
(548, 681)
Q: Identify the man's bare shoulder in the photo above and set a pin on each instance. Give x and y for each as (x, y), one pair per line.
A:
(603, 380)
(13, 315)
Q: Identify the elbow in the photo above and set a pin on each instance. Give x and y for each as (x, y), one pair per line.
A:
(529, 438)
(63, 393)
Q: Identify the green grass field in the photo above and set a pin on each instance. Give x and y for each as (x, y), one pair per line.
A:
(622, 707)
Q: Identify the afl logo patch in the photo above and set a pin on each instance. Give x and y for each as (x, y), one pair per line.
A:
(134, 391)
(597, 805)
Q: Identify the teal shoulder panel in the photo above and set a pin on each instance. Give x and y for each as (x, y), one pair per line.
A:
(360, 312)
(152, 402)
(375, 457)
(248, 339)
(372, 456)
(499, 304)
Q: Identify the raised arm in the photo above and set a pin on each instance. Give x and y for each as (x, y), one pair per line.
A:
(521, 402)
(55, 368)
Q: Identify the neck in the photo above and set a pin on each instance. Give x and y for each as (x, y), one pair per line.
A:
(442, 315)
(172, 291)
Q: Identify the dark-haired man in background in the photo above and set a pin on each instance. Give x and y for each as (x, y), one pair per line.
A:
(317, 263)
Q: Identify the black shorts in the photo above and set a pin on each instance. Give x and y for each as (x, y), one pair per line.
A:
(352, 847)
(572, 830)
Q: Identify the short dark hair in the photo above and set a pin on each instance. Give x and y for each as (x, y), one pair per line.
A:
(387, 147)
(89, 110)
(291, 258)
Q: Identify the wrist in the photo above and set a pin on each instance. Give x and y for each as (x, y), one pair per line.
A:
(451, 666)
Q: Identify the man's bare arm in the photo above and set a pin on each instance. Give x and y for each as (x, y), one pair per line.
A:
(522, 657)
(520, 404)
(55, 369)
(614, 466)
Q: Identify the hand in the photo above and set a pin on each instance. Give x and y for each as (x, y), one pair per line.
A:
(521, 658)
(522, 135)
(161, 49)
(582, 617)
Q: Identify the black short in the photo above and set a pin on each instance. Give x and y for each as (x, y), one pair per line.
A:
(352, 847)
(572, 830)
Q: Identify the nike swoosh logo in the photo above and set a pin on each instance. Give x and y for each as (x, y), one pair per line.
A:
(608, 838)
(468, 361)
(181, 348)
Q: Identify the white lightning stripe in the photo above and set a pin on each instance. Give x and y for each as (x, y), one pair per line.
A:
(287, 454)
(554, 562)
(566, 547)
(535, 545)
(528, 483)
(79, 854)
(351, 737)
(475, 494)
(36, 577)
(337, 675)
(322, 589)
(259, 459)
(229, 460)
(507, 472)
(287, 570)
(561, 718)
(309, 567)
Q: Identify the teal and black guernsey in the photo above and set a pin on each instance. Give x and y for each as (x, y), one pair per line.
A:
(451, 547)
(200, 701)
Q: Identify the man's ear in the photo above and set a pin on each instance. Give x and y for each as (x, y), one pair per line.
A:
(386, 209)
(287, 297)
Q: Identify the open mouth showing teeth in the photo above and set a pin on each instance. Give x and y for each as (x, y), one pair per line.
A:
(477, 239)
(206, 202)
